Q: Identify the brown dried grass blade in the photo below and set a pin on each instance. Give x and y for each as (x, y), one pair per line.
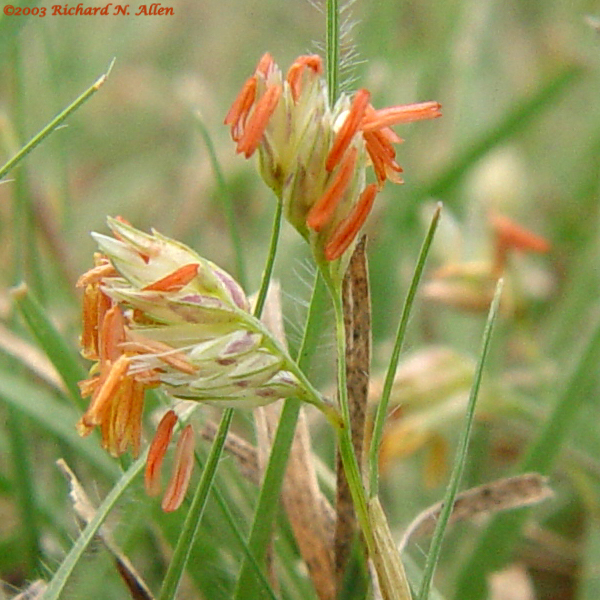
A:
(502, 494)
(357, 322)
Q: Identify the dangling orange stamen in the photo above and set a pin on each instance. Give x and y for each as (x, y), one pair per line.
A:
(258, 121)
(323, 209)
(180, 479)
(240, 109)
(157, 452)
(294, 74)
(347, 131)
(347, 230)
(394, 115)
(382, 155)
(134, 430)
(175, 281)
(104, 395)
(112, 335)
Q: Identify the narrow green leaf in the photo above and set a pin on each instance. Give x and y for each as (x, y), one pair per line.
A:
(60, 578)
(461, 455)
(382, 407)
(25, 494)
(46, 131)
(51, 342)
(496, 542)
(268, 500)
(266, 586)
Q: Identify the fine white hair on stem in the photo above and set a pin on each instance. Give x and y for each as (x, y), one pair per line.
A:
(349, 56)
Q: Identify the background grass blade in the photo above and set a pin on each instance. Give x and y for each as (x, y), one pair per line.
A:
(461, 454)
(67, 566)
(58, 120)
(515, 120)
(53, 417)
(51, 342)
(382, 407)
(494, 546)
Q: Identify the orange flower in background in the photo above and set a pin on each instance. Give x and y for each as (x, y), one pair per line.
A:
(314, 156)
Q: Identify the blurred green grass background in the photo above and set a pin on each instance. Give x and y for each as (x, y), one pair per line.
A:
(518, 81)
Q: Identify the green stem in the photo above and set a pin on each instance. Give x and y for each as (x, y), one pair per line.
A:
(332, 42)
(344, 432)
(268, 272)
(194, 515)
(196, 511)
(268, 499)
(382, 408)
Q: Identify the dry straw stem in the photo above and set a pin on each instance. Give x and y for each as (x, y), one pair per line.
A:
(392, 580)
(357, 323)
(303, 501)
(34, 591)
(484, 500)
(85, 510)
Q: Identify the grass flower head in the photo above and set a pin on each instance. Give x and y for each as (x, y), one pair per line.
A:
(157, 314)
(315, 156)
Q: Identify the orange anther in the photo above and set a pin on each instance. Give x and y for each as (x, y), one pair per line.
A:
(180, 479)
(240, 109)
(96, 274)
(157, 452)
(105, 393)
(347, 131)
(265, 65)
(347, 230)
(258, 121)
(294, 74)
(163, 352)
(175, 281)
(406, 113)
(322, 210)
(112, 334)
